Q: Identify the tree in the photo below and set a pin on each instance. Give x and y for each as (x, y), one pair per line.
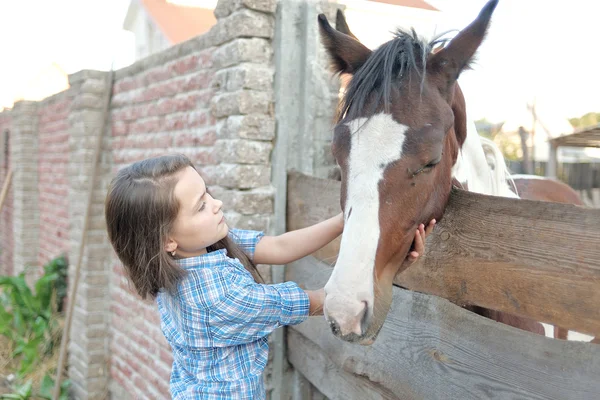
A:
(588, 119)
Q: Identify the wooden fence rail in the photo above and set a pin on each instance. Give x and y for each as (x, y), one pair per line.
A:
(432, 349)
(534, 259)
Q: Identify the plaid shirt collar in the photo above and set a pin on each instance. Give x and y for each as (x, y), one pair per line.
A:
(205, 260)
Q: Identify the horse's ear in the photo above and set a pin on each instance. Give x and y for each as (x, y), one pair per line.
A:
(455, 57)
(341, 24)
(347, 54)
(459, 109)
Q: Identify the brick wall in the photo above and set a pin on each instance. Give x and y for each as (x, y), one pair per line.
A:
(24, 153)
(88, 345)
(53, 137)
(6, 214)
(211, 98)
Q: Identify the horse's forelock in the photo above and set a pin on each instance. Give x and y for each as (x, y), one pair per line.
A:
(371, 86)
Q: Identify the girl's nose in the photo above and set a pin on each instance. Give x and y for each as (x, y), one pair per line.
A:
(218, 205)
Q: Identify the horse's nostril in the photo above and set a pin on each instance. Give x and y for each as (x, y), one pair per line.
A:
(364, 322)
(335, 328)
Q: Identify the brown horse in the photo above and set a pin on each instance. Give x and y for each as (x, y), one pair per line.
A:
(401, 141)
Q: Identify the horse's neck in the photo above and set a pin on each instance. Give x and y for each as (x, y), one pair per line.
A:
(478, 173)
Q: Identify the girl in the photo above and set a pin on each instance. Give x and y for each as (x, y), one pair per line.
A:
(216, 312)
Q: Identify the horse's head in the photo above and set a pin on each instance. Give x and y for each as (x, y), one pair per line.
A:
(401, 124)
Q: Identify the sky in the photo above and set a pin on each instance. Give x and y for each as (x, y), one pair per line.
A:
(535, 49)
(539, 49)
(76, 34)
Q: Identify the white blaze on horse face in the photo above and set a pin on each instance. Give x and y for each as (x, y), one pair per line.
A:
(375, 143)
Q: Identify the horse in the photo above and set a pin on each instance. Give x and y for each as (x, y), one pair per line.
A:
(402, 140)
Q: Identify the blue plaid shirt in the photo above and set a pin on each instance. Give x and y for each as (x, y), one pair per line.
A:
(217, 322)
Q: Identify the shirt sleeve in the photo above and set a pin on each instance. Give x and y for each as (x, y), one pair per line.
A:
(246, 239)
(251, 311)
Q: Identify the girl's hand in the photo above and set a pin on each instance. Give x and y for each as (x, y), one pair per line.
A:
(340, 218)
(316, 298)
(419, 247)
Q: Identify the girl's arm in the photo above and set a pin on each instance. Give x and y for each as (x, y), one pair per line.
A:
(292, 246)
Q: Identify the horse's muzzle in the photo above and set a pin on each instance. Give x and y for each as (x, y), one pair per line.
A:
(347, 318)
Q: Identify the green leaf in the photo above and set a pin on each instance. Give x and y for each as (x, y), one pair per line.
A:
(64, 389)
(44, 288)
(40, 326)
(46, 387)
(24, 390)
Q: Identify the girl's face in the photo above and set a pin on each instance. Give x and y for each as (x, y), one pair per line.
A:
(200, 222)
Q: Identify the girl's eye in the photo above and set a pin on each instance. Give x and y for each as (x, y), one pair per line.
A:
(202, 206)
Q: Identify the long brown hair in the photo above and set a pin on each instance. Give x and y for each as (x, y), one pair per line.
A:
(140, 211)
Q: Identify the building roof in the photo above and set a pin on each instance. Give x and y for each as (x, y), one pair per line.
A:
(177, 22)
(180, 23)
(586, 137)
(409, 3)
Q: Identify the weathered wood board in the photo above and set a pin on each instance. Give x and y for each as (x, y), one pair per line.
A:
(534, 259)
(432, 349)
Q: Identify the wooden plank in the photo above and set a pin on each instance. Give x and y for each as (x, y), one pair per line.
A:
(429, 348)
(312, 200)
(534, 259)
(335, 383)
(5, 187)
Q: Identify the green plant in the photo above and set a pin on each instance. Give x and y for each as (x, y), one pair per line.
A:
(25, 391)
(21, 392)
(59, 266)
(30, 320)
(27, 317)
(48, 386)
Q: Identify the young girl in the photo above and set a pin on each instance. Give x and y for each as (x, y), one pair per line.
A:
(216, 312)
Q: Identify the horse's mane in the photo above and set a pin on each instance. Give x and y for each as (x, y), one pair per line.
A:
(500, 175)
(392, 61)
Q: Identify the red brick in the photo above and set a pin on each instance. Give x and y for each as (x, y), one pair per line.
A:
(157, 74)
(171, 105)
(166, 356)
(192, 139)
(126, 84)
(120, 128)
(205, 58)
(201, 156)
(53, 159)
(153, 124)
(198, 81)
(184, 65)
(204, 97)
(123, 369)
(158, 91)
(152, 316)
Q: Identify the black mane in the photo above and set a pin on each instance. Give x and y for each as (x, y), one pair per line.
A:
(393, 60)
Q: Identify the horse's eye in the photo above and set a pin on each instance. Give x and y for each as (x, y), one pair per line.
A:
(426, 168)
(433, 163)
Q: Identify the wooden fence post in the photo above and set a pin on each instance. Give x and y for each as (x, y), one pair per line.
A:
(552, 161)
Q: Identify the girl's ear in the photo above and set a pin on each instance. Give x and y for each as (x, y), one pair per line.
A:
(171, 246)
